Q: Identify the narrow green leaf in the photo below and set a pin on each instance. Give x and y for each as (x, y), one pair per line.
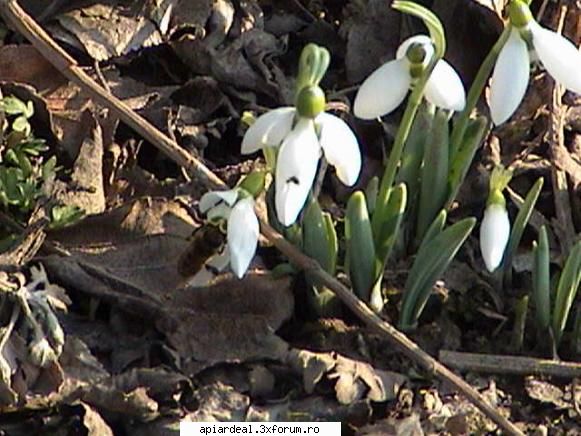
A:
(435, 228)
(566, 291)
(434, 176)
(542, 281)
(411, 160)
(460, 161)
(522, 219)
(371, 192)
(360, 246)
(430, 20)
(390, 224)
(332, 242)
(433, 258)
(317, 243)
(254, 183)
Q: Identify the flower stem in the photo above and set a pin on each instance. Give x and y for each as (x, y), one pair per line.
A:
(403, 131)
(476, 91)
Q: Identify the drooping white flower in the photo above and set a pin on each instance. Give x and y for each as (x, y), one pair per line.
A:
(495, 227)
(494, 234)
(301, 140)
(386, 88)
(242, 229)
(511, 73)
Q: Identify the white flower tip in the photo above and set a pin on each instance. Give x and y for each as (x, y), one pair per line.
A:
(383, 91)
(340, 147)
(445, 89)
(269, 129)
(494, 235)
(509, 79)
(242, 236)
(295, 171)
(559, 56)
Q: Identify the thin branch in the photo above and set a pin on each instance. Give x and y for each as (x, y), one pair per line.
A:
(514, 365)
(24, 24)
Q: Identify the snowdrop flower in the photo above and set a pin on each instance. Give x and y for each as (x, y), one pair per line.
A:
(237, 207)
(495, 227)
(387, 87)
(302, 133)
(510, 77)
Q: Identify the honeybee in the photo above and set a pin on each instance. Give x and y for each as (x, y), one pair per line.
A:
(205, 242)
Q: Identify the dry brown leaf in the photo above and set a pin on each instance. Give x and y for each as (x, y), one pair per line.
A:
(409, 426)
(134, 219)
(546, 392)
(94, 424)
(230, 321)
(86, 188)
(355, 380)
(219, 402)
(105, 31)
(373, 34)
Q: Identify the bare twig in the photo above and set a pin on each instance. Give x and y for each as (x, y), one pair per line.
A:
(21, 22)
(515, 365)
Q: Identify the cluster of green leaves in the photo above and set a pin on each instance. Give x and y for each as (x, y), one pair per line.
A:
(551, 324)
(25, 167)
(406, 211)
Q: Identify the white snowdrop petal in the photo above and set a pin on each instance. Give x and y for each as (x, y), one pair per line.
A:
(510, 78)
(269, 129)
(340, 147)
(494, 234)
(212, 198)
(424, 40)
(220, 211)
(383, 90)
(444, 87)
(295, 171)
(242, 236)
(559, 56)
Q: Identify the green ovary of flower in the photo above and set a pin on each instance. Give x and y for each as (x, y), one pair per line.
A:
(519, 13)
(310, 101)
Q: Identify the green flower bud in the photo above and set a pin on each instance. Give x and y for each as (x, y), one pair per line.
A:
(519, 13)
(416, 53)
(253, 183)
(496, 197)
(310, 101)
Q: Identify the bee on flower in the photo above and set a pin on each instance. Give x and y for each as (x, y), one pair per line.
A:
(236, 207)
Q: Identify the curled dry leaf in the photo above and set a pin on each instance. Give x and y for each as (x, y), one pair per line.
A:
(219, 402)
(105, 31)
(31, 336)
(355, 380)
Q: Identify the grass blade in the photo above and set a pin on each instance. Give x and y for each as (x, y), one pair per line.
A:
(433, 258)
